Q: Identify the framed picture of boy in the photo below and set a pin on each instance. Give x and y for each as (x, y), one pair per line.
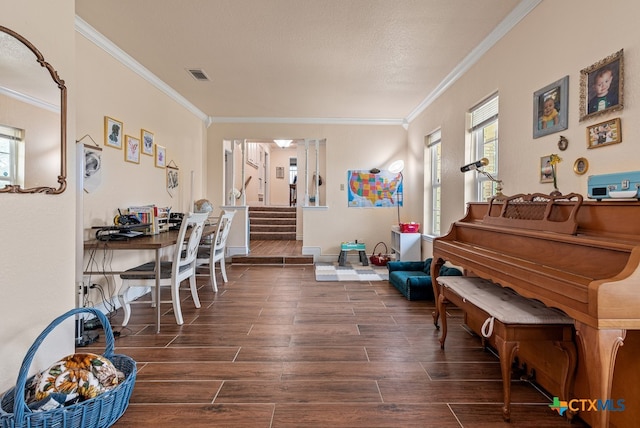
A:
(550, 105)
(601, 86)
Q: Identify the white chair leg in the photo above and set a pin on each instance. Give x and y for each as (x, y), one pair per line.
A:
(194, 290)
(153, 296)
(122, 297)
(175, 298)
(223, 270)
(212, 275)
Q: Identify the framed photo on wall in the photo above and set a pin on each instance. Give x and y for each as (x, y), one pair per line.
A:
(601, 86)
(550, 108)
(147, 142)
(92, 168)
(131, 149)
(604, 133)
(113, 131)
(161, 156)
(546, 170)
(173, 175)
(580, 166)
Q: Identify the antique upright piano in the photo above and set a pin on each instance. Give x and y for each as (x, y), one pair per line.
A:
(581, 257)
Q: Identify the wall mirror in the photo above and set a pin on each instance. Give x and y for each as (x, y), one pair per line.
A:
(33, 118)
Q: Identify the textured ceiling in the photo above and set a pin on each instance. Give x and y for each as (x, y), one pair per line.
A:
(358, 59)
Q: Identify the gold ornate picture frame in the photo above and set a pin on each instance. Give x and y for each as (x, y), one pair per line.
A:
(601, 86)
(581, 166)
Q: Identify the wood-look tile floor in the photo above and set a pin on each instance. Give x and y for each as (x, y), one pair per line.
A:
(275, 348)
(275, 247)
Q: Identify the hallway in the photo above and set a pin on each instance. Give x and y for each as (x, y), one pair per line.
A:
(275, 348)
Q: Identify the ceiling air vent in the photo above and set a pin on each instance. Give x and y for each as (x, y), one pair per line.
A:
(198, 74)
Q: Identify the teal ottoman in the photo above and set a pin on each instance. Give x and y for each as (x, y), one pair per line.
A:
(413, 279)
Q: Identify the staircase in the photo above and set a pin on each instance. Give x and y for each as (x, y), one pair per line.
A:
(272, 223)
(272, 234)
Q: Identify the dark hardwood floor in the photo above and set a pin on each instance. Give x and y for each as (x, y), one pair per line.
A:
(275, 348)
(275, 248)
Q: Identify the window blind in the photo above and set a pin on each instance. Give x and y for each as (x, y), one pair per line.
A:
(484, 112)
(434, 138)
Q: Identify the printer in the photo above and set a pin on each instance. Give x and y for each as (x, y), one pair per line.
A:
(620, 185)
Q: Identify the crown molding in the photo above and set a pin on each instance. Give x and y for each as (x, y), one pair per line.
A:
(307, 120)
(91, 34)
(517, 14)
(28, 99)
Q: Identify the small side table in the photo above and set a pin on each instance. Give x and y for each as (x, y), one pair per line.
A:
(345, 247)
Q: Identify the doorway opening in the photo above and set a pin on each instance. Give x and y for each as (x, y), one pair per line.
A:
(271, 183)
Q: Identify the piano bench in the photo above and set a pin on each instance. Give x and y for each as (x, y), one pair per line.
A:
(509, 320)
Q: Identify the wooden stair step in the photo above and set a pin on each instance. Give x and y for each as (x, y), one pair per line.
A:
(274, 221)
(272, 208)
(271, 214)
(268, 236)
(272, 260)
(273, 228)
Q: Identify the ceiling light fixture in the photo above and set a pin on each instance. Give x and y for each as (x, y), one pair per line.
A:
(283, 143)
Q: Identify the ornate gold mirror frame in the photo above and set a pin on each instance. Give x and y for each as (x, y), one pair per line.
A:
(62, 177)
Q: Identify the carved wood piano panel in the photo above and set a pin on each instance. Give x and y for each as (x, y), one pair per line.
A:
(593, 274)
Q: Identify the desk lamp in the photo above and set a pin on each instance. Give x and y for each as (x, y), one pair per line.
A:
(396, 167)
(478, 167)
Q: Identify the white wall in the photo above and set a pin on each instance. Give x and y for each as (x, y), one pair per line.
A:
(106, 87)
(551, 42)
(38, 231)
(279, 190)
(347, 147)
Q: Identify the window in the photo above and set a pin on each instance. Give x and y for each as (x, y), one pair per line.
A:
(433, 160)
(11, 156)
(484, 140)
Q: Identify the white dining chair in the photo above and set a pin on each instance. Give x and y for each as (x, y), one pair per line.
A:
(181, 266)
(214, 252)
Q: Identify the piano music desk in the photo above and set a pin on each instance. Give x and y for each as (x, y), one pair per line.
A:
(509, 320)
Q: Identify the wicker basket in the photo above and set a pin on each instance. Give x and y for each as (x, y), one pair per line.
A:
(101, 411)
(380, 259)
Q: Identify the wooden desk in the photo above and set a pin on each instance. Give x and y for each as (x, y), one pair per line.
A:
(143, 243)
